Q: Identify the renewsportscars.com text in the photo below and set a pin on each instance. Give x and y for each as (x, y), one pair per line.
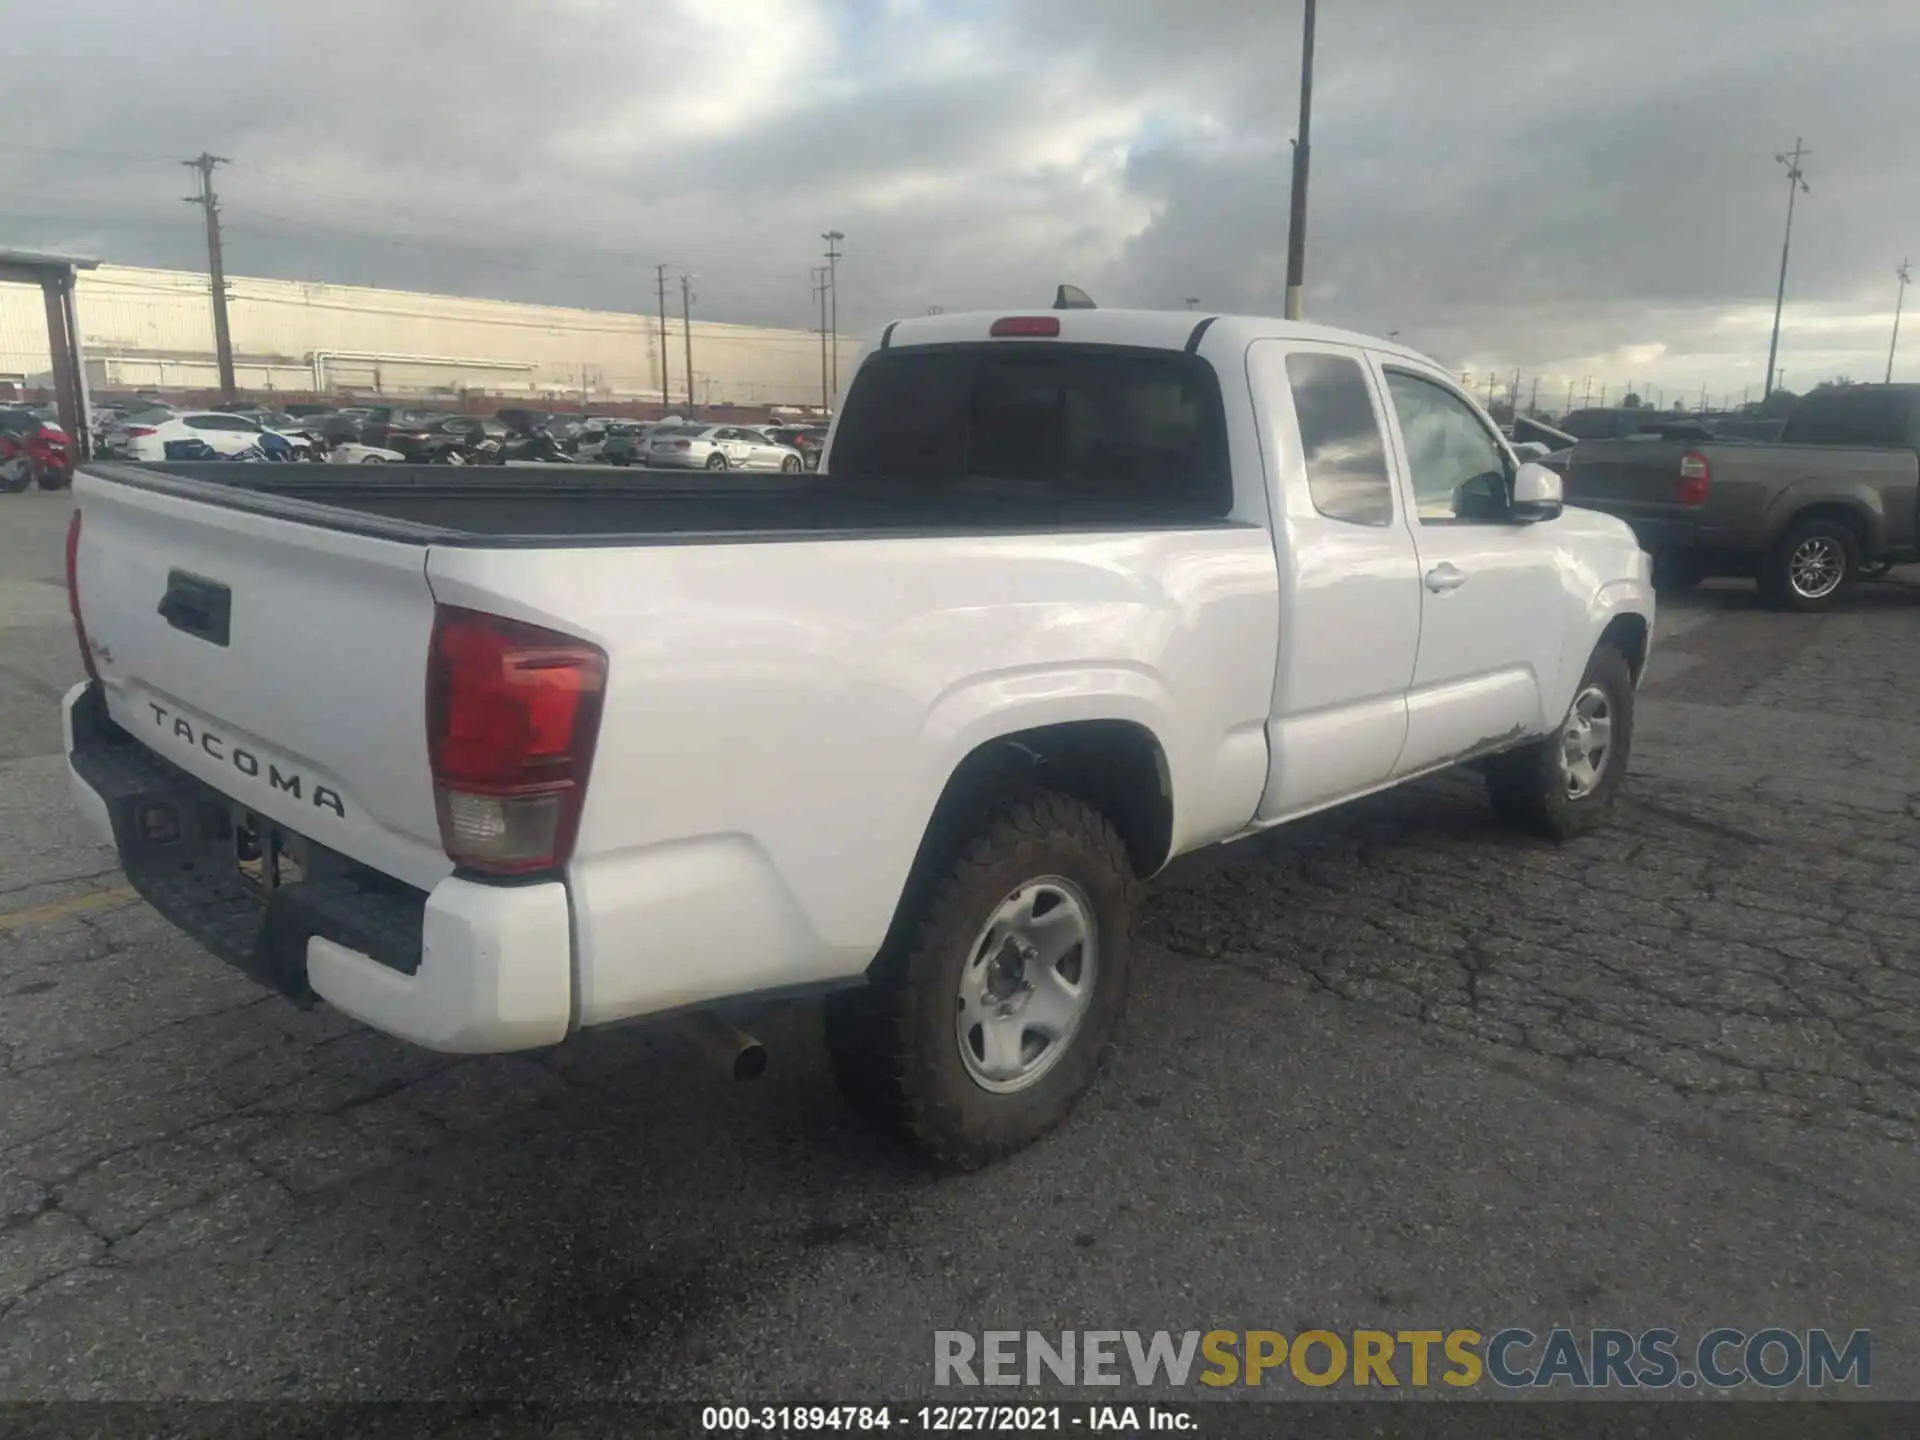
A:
(1513, 1358)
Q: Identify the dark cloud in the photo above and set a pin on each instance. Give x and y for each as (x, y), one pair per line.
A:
(1567, 189)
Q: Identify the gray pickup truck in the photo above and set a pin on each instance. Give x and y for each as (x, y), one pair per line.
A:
(1836, 498)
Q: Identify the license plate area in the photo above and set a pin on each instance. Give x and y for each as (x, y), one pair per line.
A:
(266, 857)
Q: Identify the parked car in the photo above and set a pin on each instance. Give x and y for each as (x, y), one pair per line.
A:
(117, 439)
(718, 447)
(393, 426)
(223, 433)
(809, 440)
(614, 442)
(45, 448)
(522, 421)
(1837, 497)
(1076, 601)
(351, 452)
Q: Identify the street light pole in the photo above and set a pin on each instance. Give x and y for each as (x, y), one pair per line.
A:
(1297, 213)
(1796, 183)
(833, 239)
(820, 288)
(1905, 273)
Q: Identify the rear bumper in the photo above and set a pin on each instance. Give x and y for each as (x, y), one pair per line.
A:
(467, 967)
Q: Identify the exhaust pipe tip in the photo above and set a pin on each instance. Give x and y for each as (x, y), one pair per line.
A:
(751, 1062)
(739, 1056)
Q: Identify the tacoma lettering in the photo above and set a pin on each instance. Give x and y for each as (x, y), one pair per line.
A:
(247, 763)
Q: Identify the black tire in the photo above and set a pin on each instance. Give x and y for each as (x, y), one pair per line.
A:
(1530, 787)
(373, 460)
(1675, 572)
(1782, 576)
(16, 484)
(716, 462)
(894, 1044)
(53, 477)
(790, 465)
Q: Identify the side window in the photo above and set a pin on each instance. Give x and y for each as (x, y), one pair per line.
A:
(1458, 472)
(1346, 461)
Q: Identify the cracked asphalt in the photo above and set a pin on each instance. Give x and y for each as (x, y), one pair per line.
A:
(1393, 1067)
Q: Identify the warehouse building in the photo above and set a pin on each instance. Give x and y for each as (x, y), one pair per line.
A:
(153, 330)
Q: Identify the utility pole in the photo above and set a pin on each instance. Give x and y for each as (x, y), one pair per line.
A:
(1586, 396)
(1513, 395)
(1533, 401)
(1906, 274)
(833, 239)
(1297, 211)
(1796, 183)
(1703, 399)
(686, 327)
(1489, 389)
(660, 284)
(820, 288)
(1193, 302)
(1603, 395)
(1569, 410)
(202, 165)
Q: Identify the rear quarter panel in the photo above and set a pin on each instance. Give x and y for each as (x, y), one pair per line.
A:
(782, 717)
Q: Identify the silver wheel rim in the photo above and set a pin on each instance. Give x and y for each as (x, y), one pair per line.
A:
(1816, 567)
(1027, 985)
(1586, 742)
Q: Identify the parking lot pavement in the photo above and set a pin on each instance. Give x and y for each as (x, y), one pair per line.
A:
(1391, 1067)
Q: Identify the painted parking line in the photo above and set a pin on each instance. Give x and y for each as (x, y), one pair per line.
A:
(60, 909)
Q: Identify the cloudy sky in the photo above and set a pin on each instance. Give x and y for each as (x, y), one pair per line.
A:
(1563, 187)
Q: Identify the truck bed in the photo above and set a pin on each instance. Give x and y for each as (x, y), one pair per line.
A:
(608, 505)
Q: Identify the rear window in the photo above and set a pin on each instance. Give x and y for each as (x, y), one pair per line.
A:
(1099, 431)
(1340, 443)
(1852, 417)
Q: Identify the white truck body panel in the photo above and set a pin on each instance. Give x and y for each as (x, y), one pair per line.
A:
(782, 713)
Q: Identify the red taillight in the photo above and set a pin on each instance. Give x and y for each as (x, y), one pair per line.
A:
(1025, 325)
(1694, 475)
(513, 712)
(73, 595)
(133, 430)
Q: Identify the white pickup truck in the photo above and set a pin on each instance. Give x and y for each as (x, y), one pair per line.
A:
(484, 760)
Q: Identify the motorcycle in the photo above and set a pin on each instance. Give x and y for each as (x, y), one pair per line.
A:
(537, 447)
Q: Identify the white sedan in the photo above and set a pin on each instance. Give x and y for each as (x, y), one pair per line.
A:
(224, 434)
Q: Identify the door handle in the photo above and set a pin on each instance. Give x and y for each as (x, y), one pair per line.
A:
(1444, 577)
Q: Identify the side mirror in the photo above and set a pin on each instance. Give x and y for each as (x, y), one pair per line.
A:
(1537, 494)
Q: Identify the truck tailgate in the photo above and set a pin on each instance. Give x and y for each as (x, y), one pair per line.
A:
(282, 663)
(1623, 476)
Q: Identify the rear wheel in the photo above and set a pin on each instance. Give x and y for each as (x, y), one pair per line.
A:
(1814, 565)
(791, 465)
(979, 1035)
(373, 460)
(1564, 785)
(716, 462)
(53, 477)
